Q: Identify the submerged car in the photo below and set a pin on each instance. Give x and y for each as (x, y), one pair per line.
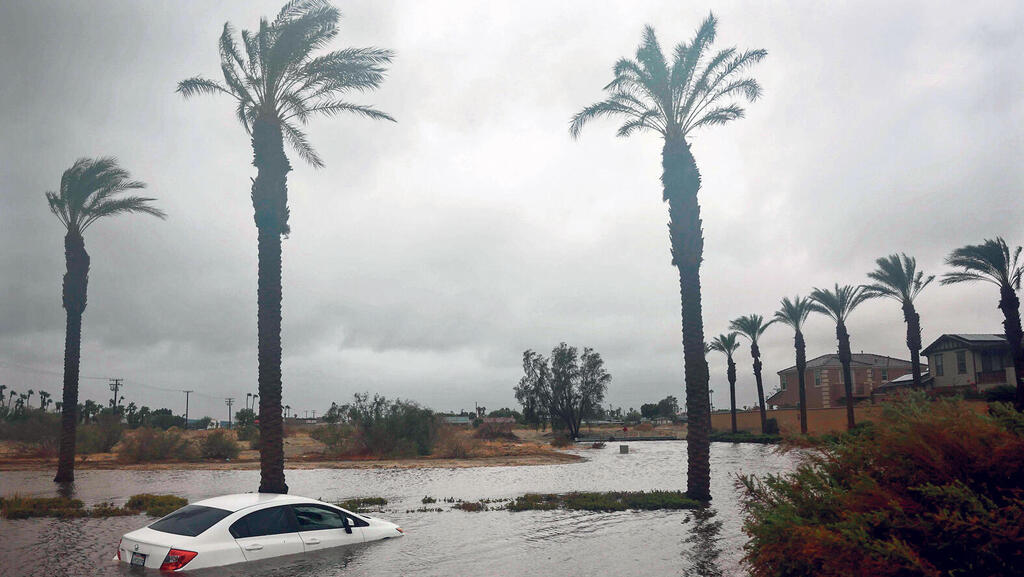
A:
(246, 527)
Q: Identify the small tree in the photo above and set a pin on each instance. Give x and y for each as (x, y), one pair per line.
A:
(534, 389)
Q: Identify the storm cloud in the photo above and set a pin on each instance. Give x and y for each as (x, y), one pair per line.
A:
(431, 252)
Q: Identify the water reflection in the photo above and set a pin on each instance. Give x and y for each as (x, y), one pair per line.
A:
(703, 550)
(500, 543)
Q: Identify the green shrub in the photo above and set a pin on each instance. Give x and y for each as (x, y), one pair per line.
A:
(428, 499)
(219, 445)
(384, 428)
(335, 437)
(561, 440)
(147, 445)
(363, 504)
(609, 501)
(470, 506)
(1001, 394)
(101, 436)
(933, 488)
(155, 505)
(491, 432)
(35, 427)
(17, 507)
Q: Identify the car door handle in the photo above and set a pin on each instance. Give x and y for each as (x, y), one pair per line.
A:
(253, 547)
(313, 541)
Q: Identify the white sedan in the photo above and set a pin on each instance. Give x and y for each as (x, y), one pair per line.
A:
(247, 527)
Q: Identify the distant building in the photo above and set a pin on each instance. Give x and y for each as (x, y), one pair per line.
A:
(461, 420)
(970, 362)
(824, 380)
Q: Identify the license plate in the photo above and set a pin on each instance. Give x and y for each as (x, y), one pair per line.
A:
(139, 559)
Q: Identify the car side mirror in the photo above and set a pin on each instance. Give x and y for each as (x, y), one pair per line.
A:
(347, 523)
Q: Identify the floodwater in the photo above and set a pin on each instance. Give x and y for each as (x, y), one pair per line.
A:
(449, 543)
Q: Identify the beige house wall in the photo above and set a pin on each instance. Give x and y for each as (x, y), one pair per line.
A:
(818, 420)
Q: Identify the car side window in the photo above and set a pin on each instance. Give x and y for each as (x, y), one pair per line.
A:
(270, 521)
(316, 517)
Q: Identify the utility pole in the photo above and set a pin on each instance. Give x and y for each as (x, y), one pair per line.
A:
(229, 401)
(115, 385)
(186, 406)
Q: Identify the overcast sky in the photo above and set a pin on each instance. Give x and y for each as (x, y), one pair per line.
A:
(430, 253)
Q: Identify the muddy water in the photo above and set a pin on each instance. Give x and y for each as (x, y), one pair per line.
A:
(450, 543)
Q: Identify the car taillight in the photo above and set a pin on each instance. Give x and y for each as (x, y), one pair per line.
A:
(119, 541)
(176, 559)
(399, 529)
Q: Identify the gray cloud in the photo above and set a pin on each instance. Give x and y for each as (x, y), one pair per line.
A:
(431, 252)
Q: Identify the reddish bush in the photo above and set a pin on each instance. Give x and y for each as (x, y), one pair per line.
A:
(932, 489)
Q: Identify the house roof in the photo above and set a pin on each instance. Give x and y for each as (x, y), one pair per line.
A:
(968, 340)
(903, 381)
(856, 360)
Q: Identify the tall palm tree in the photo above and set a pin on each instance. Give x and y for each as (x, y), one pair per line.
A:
(794, 313)
(838, 304)
(752, 327)
(278, 85)
(674, 99)
(2, 400)
(994, 262)
(897, 278)
(729, 344)
(90, 190)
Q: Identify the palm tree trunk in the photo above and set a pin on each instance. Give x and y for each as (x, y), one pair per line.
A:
(1010, 305)
(681, 181)
(801, 368)
(755, 352)
(270, 204)
(844, 359)
(76, 282)
(731, 373)
(913, 321)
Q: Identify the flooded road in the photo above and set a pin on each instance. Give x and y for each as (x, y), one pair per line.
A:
(449, 543)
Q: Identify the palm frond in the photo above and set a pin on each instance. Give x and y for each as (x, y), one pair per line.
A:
(751, 326)
(727, 343)
(297, 139)
(897, 277)
(194, 86)
(91, 190)
(840, 302)
(991, 261)
(275, 75)
(794, 312)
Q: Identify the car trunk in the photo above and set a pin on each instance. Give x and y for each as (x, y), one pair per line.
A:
(153, 545)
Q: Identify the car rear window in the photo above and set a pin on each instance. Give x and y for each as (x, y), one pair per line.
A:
(190, 520)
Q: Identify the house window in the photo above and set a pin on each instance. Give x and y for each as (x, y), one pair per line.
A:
(937, 364)
(783, 382)
(885, 375)
(817, 378)
(961, 362)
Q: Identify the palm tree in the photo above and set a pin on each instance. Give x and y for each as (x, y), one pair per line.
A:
(729, 344)
(897, 278)
(794, 313)
(674, 99)
(2, 401)
(278, 85)
(90, 190)
(752, 327)
(838, 304)
(993, 262)
(28, 398)
(44, 399)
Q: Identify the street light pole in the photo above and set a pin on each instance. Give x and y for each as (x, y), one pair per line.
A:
(187, 393)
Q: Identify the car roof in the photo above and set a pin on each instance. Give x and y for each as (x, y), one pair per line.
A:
(240, 501)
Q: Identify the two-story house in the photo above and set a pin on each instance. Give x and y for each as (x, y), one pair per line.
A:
(824, 380)
(970, 362)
